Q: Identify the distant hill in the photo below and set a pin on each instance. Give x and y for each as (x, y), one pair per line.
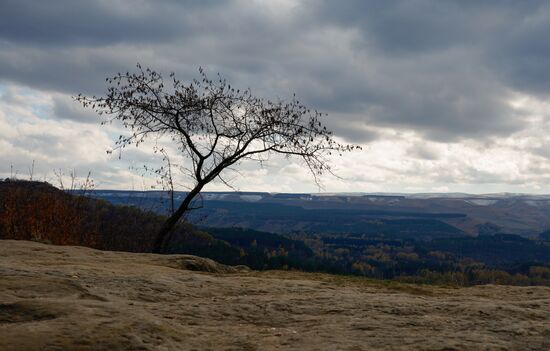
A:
(545, 235)
(519, 214)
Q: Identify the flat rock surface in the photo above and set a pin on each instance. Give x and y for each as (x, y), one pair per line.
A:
(75, 298)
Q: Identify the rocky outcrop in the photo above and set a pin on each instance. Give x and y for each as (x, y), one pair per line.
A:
(75, 298)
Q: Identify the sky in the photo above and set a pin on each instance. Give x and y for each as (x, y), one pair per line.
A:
(444, 96)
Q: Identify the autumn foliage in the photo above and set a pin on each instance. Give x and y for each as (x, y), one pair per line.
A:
(38, 211)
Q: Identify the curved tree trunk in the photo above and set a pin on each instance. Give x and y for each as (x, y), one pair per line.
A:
(165, 232)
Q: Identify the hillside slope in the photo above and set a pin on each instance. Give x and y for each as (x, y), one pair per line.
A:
(38, 211)
(75, 298)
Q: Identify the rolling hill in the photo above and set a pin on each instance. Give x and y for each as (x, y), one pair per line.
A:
(431, 215)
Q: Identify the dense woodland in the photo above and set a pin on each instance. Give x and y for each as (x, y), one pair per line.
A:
(38, 211)
(501, 258)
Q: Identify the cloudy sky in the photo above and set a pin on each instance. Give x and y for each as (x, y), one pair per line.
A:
(444, 96)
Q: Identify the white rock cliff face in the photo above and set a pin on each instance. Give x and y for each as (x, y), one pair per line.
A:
(74, 298)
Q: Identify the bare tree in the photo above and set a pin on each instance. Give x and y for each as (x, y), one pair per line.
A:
(165, 176)
(31, 171)
(81, 186)
(213, 125)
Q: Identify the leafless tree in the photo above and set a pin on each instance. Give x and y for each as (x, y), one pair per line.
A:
(165, 175)
(31, 171)
(167, 179)
(212, 124)
(81, 186)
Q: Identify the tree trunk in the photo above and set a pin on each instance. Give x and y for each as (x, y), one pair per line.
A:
(165, 232)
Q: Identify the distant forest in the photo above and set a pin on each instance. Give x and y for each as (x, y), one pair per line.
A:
(432, 253)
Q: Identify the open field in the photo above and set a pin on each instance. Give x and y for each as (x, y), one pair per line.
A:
(75, 298)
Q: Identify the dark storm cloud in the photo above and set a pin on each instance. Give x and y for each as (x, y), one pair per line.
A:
(64, 107)
(522, 55)
(69, 22)
(448, 68)
(58, 56)
(420, 26)
(445, 69)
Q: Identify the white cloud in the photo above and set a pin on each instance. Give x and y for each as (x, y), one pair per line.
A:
(454, 101)
(397, 161)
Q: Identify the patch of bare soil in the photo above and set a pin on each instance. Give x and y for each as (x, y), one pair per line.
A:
(74, 298)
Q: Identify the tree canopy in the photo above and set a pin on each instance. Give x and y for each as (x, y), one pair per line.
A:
(214, 125)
